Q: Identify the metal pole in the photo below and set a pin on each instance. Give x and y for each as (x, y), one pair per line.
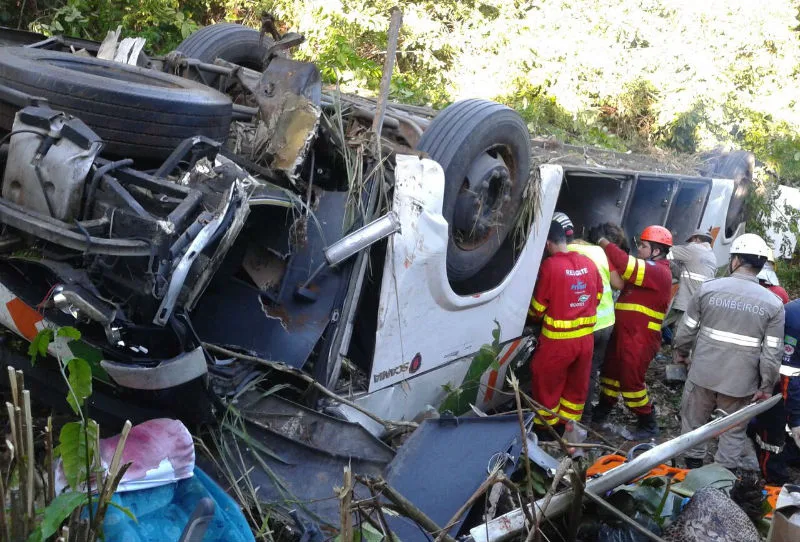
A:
(513, 523)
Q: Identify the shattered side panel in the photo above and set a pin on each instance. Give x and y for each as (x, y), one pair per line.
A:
(415, 288)
(275, 325)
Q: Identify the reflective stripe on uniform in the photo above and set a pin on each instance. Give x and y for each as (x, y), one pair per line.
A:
(635, 399)
(570, 410)
(629, 269)
(768, 447)
(635, 307)
(639, 275)
(691, 323)
(788, 370)
(569, 324)
(545, 418)
(609, 386)
(773, 342)
(694, 276)
(655, 326)
(566, 334)
(571, 415)
(538, 306)
(633, 403)
(570, 405)
(731, 338)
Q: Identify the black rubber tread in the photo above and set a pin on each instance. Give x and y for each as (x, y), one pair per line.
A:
(138, 112)
(454, 138)
(229, 41)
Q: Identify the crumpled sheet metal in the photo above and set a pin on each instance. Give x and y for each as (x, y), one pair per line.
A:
(160, 451)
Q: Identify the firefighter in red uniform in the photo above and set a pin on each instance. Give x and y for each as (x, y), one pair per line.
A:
(639, 312)
(565, 299)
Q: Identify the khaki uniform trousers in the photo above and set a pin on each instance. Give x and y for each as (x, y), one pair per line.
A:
(735, 450)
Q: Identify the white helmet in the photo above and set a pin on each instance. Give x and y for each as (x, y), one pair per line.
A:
(752, 244)
(564, 220)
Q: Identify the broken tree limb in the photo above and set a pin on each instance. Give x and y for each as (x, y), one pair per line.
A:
(624, 517)
(493, 478)
(563, 467)
(524, 435)
(345, 498)
(309, 380)
(509, 525)
(382, 517)
(406, 507)
(386, 78)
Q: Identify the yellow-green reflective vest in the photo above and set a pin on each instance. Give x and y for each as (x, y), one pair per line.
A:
(605, 311)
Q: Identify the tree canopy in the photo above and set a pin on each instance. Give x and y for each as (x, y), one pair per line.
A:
(625, 74)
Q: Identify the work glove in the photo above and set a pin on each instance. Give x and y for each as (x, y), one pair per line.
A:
(796, 435)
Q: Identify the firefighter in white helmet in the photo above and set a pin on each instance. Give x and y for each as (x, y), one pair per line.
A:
(734, 328)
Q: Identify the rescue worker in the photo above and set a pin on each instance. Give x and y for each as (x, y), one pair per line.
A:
(565, 299)
(637, 330)
(692, 264)
(605, 311)
(768, 430)
(734, 329)
(769, 279)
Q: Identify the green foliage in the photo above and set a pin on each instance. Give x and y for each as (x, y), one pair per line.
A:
(164, 23)
(80, 383)
(458, 400)
(76, 447)
(55, 514)
(39, 344)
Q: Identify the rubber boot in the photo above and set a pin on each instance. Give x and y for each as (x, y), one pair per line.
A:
(544, 435)
(601, 411)
(693, 462)
(646, 427)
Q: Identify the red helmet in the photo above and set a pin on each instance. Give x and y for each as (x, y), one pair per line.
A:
(657, 234)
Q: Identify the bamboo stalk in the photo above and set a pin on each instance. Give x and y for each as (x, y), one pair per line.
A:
(50, 494)
(13, 423)
(12, 381)
(345, 498)
(22, 468)
(17, 520)
(5, 535)
(26, 398)
(388, 67)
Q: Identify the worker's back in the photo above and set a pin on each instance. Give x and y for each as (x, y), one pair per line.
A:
(697, 264)
(567, 292)
(733, 317)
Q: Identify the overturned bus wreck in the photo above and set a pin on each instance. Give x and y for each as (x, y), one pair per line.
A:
(240, 219)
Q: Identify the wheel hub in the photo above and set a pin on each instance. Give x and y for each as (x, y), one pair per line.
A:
(479, 207)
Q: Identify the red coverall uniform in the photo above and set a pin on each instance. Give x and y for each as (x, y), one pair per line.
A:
(779, 291)
(638, 313)
(566, 296)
